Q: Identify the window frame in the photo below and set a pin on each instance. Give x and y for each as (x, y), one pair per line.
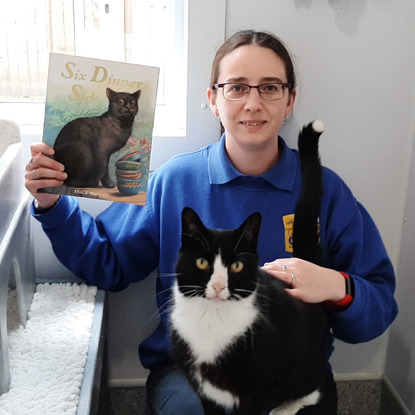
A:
(205, 24)
(206, 32)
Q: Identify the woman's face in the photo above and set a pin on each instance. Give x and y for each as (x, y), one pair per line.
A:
(252, 123)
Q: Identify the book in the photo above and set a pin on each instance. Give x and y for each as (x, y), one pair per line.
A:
(99, 117)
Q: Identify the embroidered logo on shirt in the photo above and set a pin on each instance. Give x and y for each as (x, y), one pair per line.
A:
(288, 221)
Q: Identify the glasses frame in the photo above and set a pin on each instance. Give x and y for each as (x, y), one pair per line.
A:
(285, 86)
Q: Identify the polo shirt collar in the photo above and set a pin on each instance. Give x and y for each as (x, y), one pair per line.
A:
(281, 176)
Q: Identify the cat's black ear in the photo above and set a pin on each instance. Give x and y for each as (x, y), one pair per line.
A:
(137, 94)
(190, 221)
(250, 230)
(110, 93)
(192, 226)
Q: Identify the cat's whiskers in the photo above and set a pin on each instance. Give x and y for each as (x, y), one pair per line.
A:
(195, 293)
(168, 305)
(165, 274)
(241, 290)
(163, 309)
(154, 316)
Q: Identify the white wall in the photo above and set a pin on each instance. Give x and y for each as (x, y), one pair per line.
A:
(355, 62)
(400, 367)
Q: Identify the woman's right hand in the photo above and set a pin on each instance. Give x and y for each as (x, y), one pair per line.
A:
(43, 171)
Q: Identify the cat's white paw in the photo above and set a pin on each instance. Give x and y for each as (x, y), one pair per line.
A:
(291, 408)
(286, 411)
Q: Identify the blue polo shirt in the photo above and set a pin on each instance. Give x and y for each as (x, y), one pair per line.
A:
(127, 242)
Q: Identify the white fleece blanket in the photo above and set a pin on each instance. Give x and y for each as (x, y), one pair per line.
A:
(48, 356)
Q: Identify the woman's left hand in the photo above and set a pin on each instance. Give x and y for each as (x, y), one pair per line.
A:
(310, 282)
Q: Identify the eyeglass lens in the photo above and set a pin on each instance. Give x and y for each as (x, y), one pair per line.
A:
(266, 91)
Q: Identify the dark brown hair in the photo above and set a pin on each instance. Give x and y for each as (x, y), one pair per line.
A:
(251, 37)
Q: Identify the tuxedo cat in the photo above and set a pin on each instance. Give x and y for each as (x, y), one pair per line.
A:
(84, 145)
(247, 346)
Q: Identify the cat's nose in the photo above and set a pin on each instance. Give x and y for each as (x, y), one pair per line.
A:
(218, 287)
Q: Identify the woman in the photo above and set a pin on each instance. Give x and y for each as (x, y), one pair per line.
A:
(251, 169)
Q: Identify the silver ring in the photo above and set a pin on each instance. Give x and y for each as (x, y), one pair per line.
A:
(283, 268)
(34, 174)
(292, 279)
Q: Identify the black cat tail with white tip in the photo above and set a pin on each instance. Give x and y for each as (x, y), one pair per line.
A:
(307, 212)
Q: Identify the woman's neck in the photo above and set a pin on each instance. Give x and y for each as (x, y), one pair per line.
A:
(253, 161)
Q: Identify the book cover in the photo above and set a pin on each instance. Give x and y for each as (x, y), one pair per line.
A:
(99, 117)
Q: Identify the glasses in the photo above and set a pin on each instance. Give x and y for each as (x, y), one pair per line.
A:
(269, 92)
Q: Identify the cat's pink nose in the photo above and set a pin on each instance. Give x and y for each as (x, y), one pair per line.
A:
(218, 287)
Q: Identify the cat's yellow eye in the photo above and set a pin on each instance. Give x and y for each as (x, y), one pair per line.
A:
(202, 263)
(237, 266)
(121, 101)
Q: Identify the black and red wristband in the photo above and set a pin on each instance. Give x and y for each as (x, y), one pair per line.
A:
(348, 299)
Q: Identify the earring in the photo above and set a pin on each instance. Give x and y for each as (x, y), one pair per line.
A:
(215, 113)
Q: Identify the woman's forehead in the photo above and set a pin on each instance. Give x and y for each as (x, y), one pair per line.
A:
(251, 62)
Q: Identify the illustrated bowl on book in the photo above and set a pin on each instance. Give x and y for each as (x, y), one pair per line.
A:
(134, 156)
(129, 175)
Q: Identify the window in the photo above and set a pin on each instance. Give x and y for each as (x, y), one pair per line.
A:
(130, 31)
(179, 36)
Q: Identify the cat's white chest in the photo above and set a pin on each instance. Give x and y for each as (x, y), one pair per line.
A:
(210, 326)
